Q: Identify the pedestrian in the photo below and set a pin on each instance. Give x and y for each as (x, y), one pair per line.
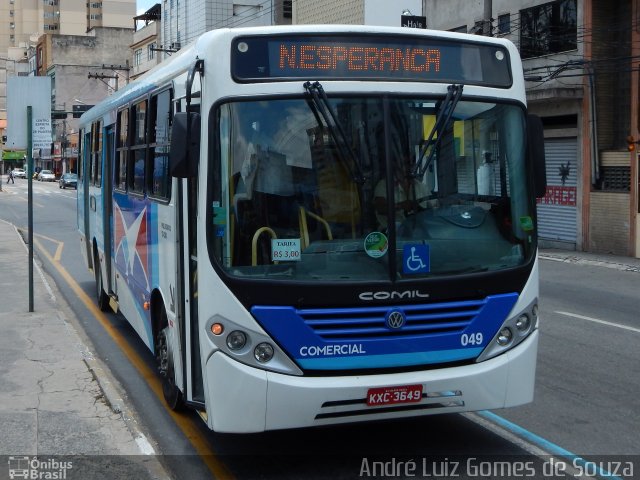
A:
(10, 177)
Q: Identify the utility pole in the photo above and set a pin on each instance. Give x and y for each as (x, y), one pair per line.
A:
(486, 18)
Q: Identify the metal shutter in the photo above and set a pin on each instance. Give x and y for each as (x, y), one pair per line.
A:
(558, 209)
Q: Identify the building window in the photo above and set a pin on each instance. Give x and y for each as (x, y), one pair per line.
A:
(460, 29)
(548, 28)
(12, 26)
(287, 8)
(150, 51)
(477, 27)
(617, 179)
(137, 57)
(504, 24)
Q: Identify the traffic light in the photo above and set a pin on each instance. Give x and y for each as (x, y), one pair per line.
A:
(631, 143)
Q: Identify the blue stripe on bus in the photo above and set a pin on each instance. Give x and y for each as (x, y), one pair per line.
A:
(343, 338)
(391, 360)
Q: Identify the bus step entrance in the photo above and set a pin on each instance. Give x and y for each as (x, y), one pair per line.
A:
(113, 303)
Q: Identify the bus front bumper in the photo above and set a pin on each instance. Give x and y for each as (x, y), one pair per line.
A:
(243, 399)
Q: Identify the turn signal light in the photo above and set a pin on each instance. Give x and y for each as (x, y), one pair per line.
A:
(217, 328)
(631, 143)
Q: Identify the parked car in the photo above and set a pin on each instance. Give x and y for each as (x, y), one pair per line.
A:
(19, 173)
(46, 176)
(68, 180)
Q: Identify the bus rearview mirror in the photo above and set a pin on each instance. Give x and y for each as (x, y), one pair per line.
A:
(535, 151)
(185, 145)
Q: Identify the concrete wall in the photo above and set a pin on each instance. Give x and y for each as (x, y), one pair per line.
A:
(73, 18)
(118, 13)
(328, 11)
(385, 13)
(609, 221)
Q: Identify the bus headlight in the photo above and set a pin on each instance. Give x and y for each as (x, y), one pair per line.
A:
(236, 340)
(248, 344)
(523, 323)
(504, 337)
(263, 352)
(512, 332)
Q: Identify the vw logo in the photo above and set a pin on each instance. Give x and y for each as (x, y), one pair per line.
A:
(395, 319)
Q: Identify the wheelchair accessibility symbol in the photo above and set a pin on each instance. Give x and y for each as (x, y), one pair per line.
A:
(415, 259)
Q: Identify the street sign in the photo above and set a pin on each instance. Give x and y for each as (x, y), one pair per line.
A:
(21, 93)
(41, 132)
(413, 21)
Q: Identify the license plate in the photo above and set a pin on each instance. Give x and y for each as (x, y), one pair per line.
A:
(394, 395)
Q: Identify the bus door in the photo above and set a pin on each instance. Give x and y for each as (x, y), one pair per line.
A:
(187, 209)
(84, 178)
(107, 199)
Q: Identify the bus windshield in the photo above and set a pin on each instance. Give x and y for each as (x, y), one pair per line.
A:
(375, 195)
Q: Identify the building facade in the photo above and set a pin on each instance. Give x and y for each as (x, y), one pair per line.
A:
(84, 69)
(578, 58)
(146, 41)
(23, 22)
(184, 20)
(358, 12)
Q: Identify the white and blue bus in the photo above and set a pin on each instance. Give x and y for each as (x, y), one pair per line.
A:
(312, 225)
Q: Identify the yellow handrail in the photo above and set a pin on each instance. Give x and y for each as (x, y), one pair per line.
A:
(254, 243)
(304, 231)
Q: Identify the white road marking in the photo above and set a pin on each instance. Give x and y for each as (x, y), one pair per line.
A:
(602, 322)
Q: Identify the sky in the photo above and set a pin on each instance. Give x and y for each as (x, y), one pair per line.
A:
(144, 5)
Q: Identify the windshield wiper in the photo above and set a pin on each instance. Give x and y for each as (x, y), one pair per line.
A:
(321, 102)
(443, 118)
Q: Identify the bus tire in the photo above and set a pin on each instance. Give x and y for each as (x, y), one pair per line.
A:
(102, 298)
(164, 359)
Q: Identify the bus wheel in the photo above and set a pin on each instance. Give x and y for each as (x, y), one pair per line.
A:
(101, 296)
(164, 359)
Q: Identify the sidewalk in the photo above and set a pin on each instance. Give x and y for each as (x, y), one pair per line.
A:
(52, 401)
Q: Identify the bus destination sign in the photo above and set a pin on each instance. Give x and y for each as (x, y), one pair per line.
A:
(410, 58)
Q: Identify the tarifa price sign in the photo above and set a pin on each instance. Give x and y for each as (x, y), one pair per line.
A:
(369, 57)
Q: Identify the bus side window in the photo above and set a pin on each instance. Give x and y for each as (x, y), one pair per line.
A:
(120, 175)
(159, 181)
(80, 164)
(96, 154)
(137, 160)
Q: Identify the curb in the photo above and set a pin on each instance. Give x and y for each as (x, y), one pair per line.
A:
(578, 260)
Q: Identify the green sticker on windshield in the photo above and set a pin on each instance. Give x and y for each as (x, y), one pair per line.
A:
(526, 223)
(219, 215)
(376, 244)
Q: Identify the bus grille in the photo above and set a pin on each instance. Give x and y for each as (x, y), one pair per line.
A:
(421, 320)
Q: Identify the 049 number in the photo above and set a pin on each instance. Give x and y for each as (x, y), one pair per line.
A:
(471, 339)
